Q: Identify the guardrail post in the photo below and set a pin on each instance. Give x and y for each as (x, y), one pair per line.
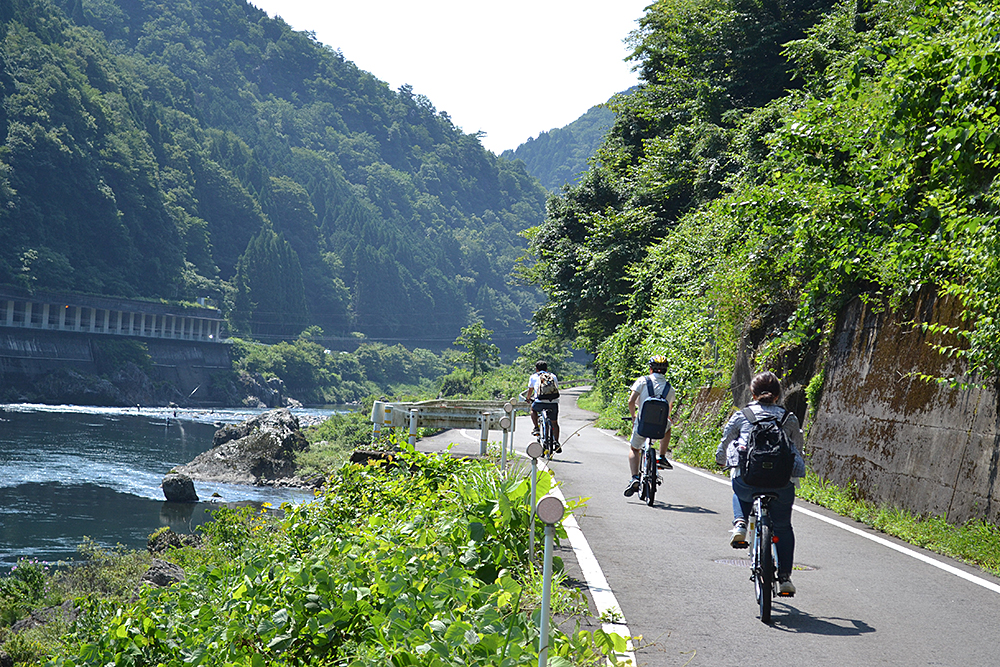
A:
(413, 426)
(387, 417)
(505, 423)
(485, 434)
(376, 418)
(550, 510)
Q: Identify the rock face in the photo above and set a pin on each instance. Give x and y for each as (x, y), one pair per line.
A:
(161, 541)
(162, 573)
(178, 488)
(259, 451)
(925, 446)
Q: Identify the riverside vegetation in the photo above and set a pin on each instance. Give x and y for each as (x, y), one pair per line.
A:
(433, 549)
(420, 561)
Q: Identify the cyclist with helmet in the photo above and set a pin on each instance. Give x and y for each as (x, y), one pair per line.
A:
(640, 392)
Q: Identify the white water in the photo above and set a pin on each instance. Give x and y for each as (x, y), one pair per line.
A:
(69, 472)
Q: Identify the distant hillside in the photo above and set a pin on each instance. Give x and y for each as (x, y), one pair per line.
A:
(559, 156)
(179, 149)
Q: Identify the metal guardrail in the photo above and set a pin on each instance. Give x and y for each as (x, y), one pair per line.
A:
(444, 414)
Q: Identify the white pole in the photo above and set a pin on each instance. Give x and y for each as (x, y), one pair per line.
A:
(387, 418)
(534, 451)
(543, 639)
(376, 418)
(413, 427)
(485, 435)
(550, 510)
(531, 527)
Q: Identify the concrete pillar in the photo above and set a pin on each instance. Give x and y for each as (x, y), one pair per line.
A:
(77, 317)
(93, 320)
(201, 333)
(27, 313)
(107, 321)
(45, 316)
(62, 317)
(10, 313)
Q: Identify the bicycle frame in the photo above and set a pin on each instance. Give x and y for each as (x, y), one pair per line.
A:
(545, 437)
(649, 475)
(763, 554)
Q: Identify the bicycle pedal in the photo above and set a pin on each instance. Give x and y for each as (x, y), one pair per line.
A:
(786, 595)
(740, 545)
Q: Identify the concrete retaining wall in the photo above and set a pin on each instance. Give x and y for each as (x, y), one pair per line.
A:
(27, 354)
(923, 446)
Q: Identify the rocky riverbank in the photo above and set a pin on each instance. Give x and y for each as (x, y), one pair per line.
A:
(259, 451)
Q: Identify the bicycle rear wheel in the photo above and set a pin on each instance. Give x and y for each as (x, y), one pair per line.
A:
(764, 575)
(649, 475)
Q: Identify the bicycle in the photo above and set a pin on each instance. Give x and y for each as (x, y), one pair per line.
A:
(548, 441)
(546, 438)
(649, 474)
(763, 554)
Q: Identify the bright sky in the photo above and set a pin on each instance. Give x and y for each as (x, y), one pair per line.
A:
(511, 69)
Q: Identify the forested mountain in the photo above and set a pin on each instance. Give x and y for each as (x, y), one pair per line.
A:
(557, 157)
(179, 149)
(778, 160)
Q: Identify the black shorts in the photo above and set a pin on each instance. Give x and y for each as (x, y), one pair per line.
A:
(550, 407)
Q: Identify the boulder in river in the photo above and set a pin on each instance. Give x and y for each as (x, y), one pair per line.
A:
(259, 451)
(178, 488)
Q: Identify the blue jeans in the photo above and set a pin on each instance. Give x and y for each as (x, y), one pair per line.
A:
(780, 510)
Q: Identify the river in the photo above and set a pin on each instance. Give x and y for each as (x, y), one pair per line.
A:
(69, 472)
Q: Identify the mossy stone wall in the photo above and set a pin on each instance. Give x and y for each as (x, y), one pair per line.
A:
(927, 447)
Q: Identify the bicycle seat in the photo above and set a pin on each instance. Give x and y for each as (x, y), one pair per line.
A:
(769, 495)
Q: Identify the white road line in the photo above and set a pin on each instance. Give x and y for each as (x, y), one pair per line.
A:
(924, 558)
(604, 598)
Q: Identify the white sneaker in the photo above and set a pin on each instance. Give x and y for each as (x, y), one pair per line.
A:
(738, 535)
(785, 586)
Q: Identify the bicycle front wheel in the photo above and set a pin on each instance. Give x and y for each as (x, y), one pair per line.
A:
(764, 576)
(650, 476)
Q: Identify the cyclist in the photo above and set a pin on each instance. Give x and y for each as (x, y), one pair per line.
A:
(538, 398)
(658, 366)
(765, 389)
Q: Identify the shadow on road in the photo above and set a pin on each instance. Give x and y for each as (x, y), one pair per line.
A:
(665, 506)
(800, 622)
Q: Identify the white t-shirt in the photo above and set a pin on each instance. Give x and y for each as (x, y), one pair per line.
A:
(659, 382)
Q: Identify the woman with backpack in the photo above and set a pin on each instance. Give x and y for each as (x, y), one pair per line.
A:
(745, 426)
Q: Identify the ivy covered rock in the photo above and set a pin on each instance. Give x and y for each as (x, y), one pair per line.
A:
(259, 451)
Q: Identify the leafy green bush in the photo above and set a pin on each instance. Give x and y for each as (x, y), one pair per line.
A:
(22, 590)
(419, 561)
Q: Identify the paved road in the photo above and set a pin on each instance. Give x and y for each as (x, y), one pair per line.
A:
(860, 601)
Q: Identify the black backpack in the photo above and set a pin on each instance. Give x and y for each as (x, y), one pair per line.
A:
(768, 457)
(653, 413)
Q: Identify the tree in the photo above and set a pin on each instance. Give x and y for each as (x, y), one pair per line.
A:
(270, 299)
(481, 354)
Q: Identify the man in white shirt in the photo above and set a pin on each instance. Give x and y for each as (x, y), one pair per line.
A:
(539, 399)
(640, 392)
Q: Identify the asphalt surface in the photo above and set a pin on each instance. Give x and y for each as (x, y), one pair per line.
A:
(863, 598)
